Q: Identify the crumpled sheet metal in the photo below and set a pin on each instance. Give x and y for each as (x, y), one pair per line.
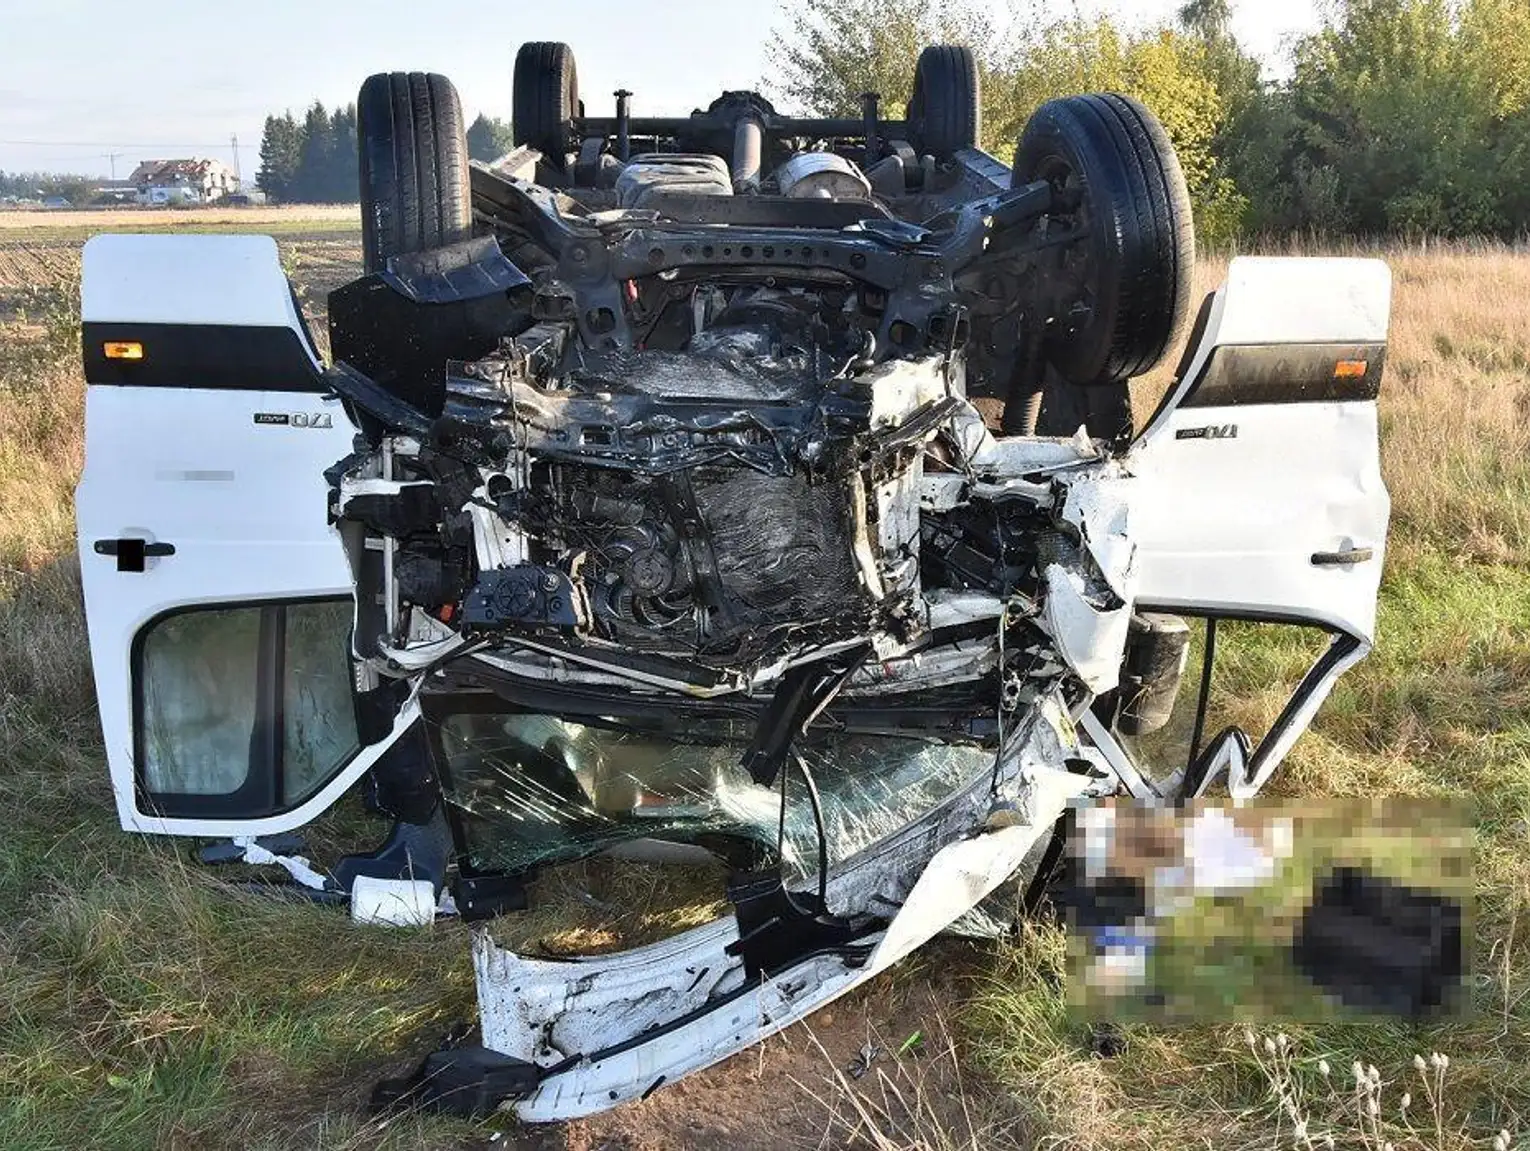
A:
(1090, 638)
(1087, 607)
(621, 1025)
(1098, 505)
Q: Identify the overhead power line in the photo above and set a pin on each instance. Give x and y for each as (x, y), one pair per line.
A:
(162, 144)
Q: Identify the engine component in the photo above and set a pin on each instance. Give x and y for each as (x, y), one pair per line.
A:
(705, 560)
(822, 175)
(526, 594)
(1156, 653)
(652, 176)
(979, 551)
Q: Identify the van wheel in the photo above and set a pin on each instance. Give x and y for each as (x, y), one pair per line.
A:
(546, 99)
(1122, 294)
(945, 111)
(414, 166)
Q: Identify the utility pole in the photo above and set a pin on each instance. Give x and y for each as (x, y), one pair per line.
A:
(238, 179)
(112, 158)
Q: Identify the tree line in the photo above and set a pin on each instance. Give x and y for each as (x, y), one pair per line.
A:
(41, 185)
(1400, 116)
(313, 160)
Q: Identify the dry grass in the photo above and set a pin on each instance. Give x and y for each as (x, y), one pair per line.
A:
(911, 1092)
(145, 1003)
(248, 219)
(599, 906)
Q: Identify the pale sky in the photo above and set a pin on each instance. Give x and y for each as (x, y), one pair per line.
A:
(158, 78)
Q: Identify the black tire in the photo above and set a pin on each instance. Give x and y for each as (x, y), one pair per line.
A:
(1127, 286)
(945, 111)
(545, 99)
(414, 166)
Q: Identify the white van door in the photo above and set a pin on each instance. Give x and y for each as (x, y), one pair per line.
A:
(218, 597)
(1259, 493)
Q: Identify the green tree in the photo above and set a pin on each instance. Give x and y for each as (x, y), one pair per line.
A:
(281, 154)
(488, 138)
(1392, 105)
(1239, 145)
(312, 182)
(341, 176)
(832, 51)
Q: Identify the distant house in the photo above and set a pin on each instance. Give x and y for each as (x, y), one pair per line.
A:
(182, 181)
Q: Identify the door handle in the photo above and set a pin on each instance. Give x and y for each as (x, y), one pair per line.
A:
(1335, 559)
(131, 552)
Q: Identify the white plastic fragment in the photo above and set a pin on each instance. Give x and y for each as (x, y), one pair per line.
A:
(295, 865)
(393, 902)
(1092, 639)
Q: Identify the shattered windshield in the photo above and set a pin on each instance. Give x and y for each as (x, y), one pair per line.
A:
(534, 789)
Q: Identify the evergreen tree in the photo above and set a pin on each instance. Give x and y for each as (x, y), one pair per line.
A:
(311, 184)
(281, 153)
(342, 178)
(488, 138)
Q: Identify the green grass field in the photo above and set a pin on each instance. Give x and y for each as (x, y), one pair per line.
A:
(147, 1003)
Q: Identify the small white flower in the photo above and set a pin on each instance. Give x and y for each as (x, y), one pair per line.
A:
(1299, 1132)
(1282, 1040)
(1328, 1141)
(1388, 1147)
(1500, 1143)
(1359, 1069)
(1248, 1037)
(1373, 1107)
(1373, 1075)
(1406, 1099)
(1444, 1062)
(1323, 1068)
(1269, 1045)
(1418, 1062)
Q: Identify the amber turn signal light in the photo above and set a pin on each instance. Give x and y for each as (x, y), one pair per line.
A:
(124, 350)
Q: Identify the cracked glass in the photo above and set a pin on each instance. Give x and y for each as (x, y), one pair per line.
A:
(534, 789)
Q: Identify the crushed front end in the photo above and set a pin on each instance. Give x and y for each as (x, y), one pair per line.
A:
(750, 596)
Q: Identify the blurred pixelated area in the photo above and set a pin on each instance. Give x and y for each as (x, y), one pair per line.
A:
(1290, 910)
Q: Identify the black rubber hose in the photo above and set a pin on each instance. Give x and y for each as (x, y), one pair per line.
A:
(1027, 385)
